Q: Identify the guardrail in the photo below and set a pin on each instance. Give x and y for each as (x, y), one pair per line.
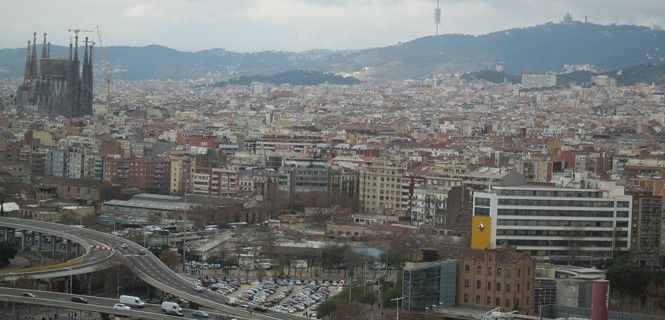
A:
(60, 265)
(87, 307)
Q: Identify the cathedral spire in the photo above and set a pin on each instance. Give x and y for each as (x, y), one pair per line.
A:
(48, 50)
(33, 57)
(44, 54)
(76, 48)
(86, 81)
(26, 73)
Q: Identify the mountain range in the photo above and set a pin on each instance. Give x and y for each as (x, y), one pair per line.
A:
(543, 48)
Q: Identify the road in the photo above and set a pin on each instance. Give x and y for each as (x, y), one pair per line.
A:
(150, 269)
(95, 304)
(94, 258)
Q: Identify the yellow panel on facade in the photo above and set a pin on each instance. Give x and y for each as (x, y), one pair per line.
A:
(481, 232)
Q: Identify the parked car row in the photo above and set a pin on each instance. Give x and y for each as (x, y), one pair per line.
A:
(225, 287)
(308, 297)
(259, 295)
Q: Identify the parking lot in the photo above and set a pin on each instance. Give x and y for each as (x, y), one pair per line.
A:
(295, 296)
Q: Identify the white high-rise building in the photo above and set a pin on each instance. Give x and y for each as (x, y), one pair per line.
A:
(558, 224)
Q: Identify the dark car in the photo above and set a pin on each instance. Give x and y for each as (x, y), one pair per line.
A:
(79, 300)
(200, 314)
(141, 252)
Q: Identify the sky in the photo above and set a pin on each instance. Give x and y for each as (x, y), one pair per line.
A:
(295, 25)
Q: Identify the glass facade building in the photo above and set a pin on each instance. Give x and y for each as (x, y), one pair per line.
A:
(428, 284)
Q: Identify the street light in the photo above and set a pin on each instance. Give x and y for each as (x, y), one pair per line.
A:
(397, 300)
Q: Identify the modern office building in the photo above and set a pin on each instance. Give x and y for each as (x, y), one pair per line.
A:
(557, 224)
(428, 284)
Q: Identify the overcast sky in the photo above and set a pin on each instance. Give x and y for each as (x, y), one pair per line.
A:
(295, 25)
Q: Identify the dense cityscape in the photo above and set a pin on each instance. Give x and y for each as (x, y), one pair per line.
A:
(447, 197)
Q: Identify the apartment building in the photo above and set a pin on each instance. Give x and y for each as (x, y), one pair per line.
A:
(150, 175)
(556, 224)
(380, 186)
(182, 165)
(646, 224)
(215, 181)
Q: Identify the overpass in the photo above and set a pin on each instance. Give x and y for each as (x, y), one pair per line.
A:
(145, 266)
(96, 255)
(95, 304)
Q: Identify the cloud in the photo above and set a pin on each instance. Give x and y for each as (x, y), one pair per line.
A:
(148, 11)
(252, 25)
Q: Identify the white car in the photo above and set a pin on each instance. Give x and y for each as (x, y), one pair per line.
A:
(121, 306)
(198, 288)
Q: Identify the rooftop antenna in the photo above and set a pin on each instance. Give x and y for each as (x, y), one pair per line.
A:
(437, 17)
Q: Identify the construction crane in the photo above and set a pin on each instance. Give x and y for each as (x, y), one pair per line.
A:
(77, 30)
(107, 72)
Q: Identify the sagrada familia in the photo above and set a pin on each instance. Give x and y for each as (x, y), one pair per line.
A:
(57, 86)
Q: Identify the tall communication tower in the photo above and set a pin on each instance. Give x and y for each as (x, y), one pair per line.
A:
(437, 17)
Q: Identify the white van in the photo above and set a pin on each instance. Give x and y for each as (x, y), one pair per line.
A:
(172, 308)
(134, 302)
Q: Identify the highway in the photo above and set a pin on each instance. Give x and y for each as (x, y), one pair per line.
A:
(95, 304)
(149, 268)
(94, 258)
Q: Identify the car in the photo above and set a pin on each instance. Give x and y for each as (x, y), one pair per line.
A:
(121, 306)
(142, 252)
(124, 246)
(198, 288)
(79, 300)
(28, 294)
(200, 314)
(172, 308)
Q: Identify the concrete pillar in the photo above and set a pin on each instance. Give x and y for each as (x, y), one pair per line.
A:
(90, 283)
(52, 246)
(39, 241)
(23, 240)
(68, 249)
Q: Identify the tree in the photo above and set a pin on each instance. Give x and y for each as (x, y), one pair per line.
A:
(7, 252)
(331, 256)
(392, 293)
(170, 258)
(351, 259)
(213, 259)
(232, 261)
(393, 259)
(91, 221)
(260, 274)
(629, 278)
(157, 251)
(326, 308)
